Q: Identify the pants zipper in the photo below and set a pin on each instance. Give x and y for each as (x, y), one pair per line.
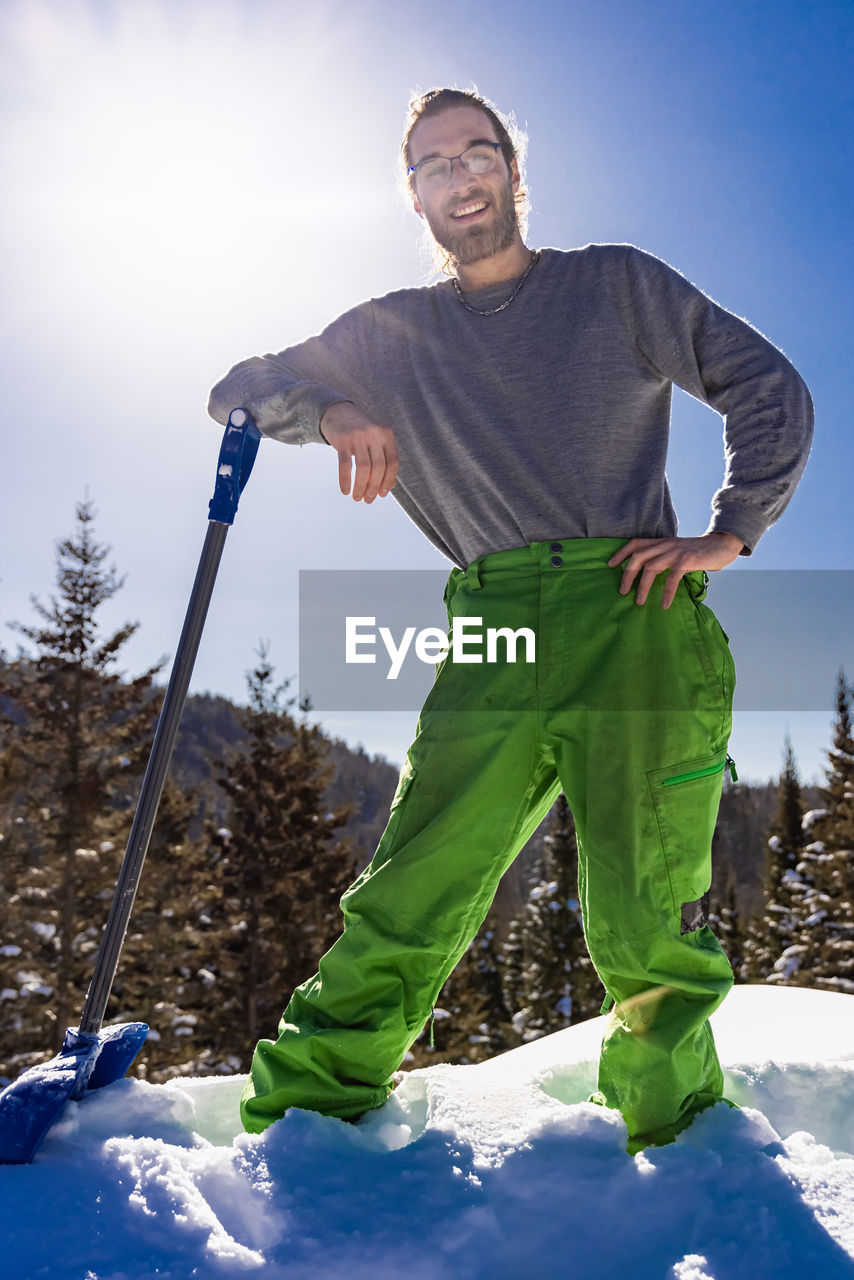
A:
(729, 763)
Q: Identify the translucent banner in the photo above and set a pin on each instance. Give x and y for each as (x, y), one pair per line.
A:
(369, 640)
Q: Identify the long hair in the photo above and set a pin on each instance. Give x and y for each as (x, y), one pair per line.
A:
(514, 145)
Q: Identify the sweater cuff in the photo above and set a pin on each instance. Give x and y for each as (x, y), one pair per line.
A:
(293, 416)
(744, 522)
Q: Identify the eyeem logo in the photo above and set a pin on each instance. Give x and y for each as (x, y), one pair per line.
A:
(467, 643)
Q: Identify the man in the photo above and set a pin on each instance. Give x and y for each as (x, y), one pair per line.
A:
(519, 412)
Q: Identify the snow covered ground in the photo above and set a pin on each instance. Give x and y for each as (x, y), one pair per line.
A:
(499, 1170)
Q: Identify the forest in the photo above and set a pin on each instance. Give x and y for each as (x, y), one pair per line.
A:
(265, 821)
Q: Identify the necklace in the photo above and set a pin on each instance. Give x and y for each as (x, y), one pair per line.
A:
(535, 257)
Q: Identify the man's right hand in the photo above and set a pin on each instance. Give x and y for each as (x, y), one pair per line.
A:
(356, 438)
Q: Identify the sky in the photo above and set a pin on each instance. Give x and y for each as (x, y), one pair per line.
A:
(191, 183)
(486, 1172)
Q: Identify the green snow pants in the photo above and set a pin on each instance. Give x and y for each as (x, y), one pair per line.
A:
(627, 708)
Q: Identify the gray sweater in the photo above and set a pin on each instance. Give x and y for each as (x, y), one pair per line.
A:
(551, 418)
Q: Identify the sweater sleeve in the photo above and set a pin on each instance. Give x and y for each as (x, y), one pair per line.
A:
(288, 393)
(721, 360)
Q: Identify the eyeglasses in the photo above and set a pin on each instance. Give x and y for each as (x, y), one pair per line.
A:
(477, 159)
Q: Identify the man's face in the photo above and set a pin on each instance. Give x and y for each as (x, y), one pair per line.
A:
(472, 216)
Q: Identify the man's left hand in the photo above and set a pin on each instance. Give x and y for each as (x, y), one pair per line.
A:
(674, 556)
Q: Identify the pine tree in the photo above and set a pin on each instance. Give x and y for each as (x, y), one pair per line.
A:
(559, 984)
(773, 953)
(725, 922)
(74, 730)
(155, 981)
(471, 1021)
(276, 870)
(827, 934)
(511, 958)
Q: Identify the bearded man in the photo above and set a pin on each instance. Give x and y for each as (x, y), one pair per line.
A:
(519, 413)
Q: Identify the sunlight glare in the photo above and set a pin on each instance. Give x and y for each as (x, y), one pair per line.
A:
(147, 162)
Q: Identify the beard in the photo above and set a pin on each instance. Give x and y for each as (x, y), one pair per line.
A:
(472, 244)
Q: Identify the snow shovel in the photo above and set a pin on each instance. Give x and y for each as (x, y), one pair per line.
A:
(91, 1057)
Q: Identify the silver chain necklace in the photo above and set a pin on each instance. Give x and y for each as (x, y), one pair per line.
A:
(535, 257)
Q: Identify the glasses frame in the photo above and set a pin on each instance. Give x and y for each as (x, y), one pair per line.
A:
(496, 147)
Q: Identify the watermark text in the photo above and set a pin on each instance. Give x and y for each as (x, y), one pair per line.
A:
(467, 643)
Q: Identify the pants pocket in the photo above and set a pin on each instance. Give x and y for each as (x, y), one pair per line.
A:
(686, 797)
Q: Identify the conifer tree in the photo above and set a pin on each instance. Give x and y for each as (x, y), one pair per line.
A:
(725, 921)
(74, 729)
(826, 937)
(276, 870)
(772, 950)
(156, 981)
(471, 1021)
(511, 958)
(559, 984)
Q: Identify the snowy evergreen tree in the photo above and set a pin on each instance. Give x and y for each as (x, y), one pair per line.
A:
(559, 985)
(155, 981)
(268, 907)
(725, 922)
(511, 958)
(826, 939)
(471, 1021)
(74, 731)
(772, 952)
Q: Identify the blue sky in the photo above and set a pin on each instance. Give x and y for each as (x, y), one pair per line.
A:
(192, 183)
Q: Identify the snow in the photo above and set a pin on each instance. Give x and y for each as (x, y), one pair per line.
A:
(43, 931)
(789, 962)
(30, 984)
(500, 1171)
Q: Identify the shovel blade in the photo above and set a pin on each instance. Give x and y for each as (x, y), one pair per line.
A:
(119, 1045)
(35, 1101)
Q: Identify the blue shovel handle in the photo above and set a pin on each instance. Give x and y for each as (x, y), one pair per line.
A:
(236, 457)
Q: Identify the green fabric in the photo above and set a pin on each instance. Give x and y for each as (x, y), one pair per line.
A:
(621, 700)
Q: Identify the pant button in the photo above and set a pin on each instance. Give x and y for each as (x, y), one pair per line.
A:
(556, 546)
(557, 561)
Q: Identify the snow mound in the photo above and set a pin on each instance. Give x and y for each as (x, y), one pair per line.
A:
(500, 1170)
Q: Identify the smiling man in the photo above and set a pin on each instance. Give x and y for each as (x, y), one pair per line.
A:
(519, 413)
(469, 199)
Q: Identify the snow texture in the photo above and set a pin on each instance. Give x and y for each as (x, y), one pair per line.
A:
(500, 1171)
